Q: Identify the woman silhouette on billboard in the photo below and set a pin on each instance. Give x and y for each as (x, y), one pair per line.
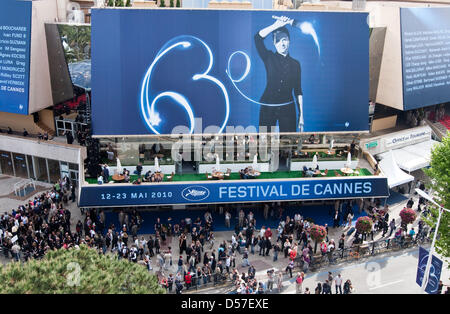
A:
(283, 76)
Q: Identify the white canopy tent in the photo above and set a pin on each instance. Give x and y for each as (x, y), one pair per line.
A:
(394, 174)
(412, 157)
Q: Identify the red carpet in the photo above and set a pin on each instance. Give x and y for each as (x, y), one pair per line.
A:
(446, 122)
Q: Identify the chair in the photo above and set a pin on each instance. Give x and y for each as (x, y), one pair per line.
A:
(356, 172)
(169, 178)
(227, 174)
(208, 176)
(325, 172)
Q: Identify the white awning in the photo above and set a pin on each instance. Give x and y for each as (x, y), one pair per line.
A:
(394, 174)
(412, 157)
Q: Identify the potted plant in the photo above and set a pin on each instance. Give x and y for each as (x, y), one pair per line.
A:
(408, 216)
(317, 233)
(364, 225)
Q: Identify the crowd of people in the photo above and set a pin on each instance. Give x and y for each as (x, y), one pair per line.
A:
(41, 225)
(44, 224)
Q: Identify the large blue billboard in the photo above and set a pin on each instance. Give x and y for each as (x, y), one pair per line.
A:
(232, 191)
(15, 30)
(425, 56)
(213, 71)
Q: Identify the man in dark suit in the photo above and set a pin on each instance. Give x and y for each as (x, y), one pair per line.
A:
(105, 174)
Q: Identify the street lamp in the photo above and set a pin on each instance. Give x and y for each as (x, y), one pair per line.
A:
(430, 255)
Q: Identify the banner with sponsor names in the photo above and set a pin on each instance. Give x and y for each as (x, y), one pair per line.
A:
(15, 43)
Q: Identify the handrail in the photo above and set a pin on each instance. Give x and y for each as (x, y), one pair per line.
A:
(22, 185)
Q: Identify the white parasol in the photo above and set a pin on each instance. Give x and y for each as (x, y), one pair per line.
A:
(217, 163)
(157, 169)
(315, 163)
(255, 162)
(348, 164)
(119, 166)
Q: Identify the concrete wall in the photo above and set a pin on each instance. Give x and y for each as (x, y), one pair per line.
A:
(384, 123)
(40, 87)
(46, 117)
(44, 149)
(17, 122)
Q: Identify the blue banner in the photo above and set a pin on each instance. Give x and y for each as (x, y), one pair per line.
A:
(435, 271)
(233, 191)
(15, 31)
(425, 34)
(228, 71)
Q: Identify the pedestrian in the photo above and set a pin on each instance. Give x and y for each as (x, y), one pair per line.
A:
(299, 282)
(326, 288)
(392, 226)
(271, 279)
(338, 284)
(348, 287)
(276, 249)
(280, 281)
(307, 291)
(289, 267)
(318, 289)
(245, 261)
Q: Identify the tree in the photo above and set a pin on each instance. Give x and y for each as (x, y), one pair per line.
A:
(171, 3)
(74, 270)
(440, 185)
(128, 3)
(110, 3)
(162, 4)
(178, 3)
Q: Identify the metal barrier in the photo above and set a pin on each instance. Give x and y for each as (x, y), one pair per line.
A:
(349, 254)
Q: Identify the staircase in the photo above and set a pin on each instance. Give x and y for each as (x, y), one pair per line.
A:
(439, 129)
(45, 128)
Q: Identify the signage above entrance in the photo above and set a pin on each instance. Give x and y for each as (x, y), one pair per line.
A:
(231, 191)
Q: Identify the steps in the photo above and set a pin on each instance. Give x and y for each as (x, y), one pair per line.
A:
(45, 128)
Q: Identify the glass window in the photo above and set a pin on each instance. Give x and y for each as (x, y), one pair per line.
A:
(41, 169)
(6, 163)
(54, 170)
(30, 167)
(20, 165)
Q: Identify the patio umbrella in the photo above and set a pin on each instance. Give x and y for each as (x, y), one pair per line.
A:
(217, 163)
(119, 166)
(348, 164)
(331, 146)
(255, 162)
(315, 163)
(157, 169)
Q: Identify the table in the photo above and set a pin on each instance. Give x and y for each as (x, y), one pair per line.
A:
(254, 174)
(347, 171)
(118, 177)
(218, 175)
(159, 174)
